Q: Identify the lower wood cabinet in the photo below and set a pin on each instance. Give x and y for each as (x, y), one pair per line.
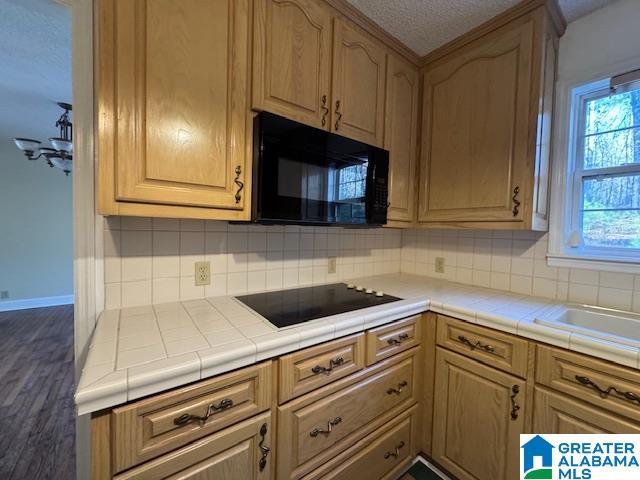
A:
(316, 427)
(240, 452)
(381, 455)
(557, 413)
(478, 416)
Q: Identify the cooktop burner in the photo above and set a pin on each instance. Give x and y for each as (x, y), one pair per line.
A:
(290, 307)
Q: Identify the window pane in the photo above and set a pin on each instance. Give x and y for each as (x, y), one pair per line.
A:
(612, 149)
(614, 192)
(612, 229)
(613, 112)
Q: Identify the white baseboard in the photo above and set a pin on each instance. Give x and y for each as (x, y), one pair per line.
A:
(23, 304)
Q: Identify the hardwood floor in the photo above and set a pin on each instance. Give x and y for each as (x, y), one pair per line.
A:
(37, 419)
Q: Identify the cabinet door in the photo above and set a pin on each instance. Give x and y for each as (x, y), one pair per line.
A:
(400, 137)
(292, 60)
(476, 130)
(558, 413)
(232, 454)
(180, 100)
(358, 85)
(476, 422)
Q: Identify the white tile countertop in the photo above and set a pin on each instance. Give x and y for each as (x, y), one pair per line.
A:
(140, 351)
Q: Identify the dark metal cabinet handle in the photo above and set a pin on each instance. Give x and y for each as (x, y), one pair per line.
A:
(604, 393)
(330, 424)
(515, 390)
(264, 450)
(478, 344)
(187, 418)
(516, 202)
(395, 452)
(333, 363)
(325, 110)
(397, 390)
(239, 183)
(397, 341)
(338, 115)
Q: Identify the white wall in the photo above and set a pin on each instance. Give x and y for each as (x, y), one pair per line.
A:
(606, 37)
(36, 243)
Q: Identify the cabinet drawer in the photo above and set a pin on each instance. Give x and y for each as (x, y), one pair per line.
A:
(314, 428)
(306, 370)
(557, 413)
(500, 350)
(600, 383)
(385, 341)
(382, 454)
(232, 454)
(150, 427)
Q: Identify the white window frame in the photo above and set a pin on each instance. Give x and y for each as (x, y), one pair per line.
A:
(565, 245)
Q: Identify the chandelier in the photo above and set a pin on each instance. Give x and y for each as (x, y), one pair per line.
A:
(60, 156)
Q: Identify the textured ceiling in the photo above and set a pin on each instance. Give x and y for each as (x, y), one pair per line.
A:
(424, 25)
(35, 60)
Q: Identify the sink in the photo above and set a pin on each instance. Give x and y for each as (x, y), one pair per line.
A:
(607, 324)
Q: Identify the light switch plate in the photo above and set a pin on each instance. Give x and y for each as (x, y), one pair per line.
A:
(203, 273)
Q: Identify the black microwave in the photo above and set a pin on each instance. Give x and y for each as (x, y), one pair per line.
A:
(305, 175)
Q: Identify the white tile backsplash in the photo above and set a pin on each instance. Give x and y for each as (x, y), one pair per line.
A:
(514, 262)
(152, 260)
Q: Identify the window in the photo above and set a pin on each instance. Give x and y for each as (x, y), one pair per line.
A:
(352, 182)
(605, 173)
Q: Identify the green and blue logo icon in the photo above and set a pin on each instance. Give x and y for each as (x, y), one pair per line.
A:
(537, 459)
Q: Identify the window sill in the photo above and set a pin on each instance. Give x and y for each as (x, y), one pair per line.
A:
(593, 262)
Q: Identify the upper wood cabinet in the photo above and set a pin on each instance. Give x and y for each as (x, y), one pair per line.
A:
(485, 131)
(318, 68)
(292, 59)
(400, 137)
(478, 416)
(173, 109)
(359, 68)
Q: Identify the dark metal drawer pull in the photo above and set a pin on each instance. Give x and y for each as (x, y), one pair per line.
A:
(398, 389)
(239, 183)
(515, 390)
(473, 346)
(395, 452)
(333, 363)
(183, 420)
(330, 424)
(325, 110)
(264, 450)
(604, 393)
(397, 341)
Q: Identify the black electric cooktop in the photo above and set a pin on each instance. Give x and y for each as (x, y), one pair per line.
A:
(290, 307)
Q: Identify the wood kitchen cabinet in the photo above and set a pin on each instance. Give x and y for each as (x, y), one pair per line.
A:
(557, 413)
(400, 138)
(314, 66)
(239, 453)
(173, 110)
(292, 59)
(487, 108)
(359, 69)
(479, 413)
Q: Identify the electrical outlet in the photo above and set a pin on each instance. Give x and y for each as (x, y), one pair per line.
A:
(203, 273)
(332, 265)
(4, 294)
(439, 264)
